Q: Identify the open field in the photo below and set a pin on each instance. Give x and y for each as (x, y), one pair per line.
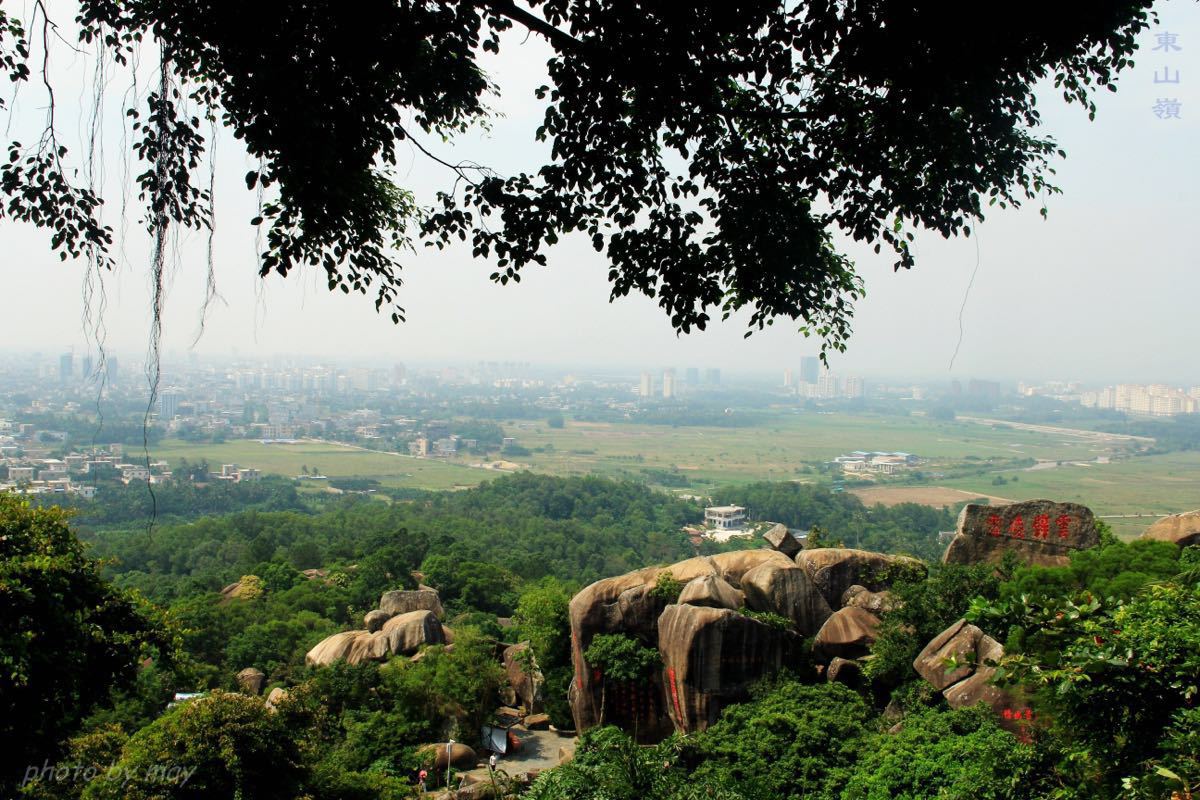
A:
(936, 496)
(333, 460)
(1164, 484)
(779, 449)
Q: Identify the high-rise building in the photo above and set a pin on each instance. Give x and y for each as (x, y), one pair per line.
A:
(66, 368)
(855, 387)
(810, 369)
(692, 377)
(86, 367)
(668, 384)
(168, 404)
(788, 379)
(646, 389)
(111, 368)
(712, 376)
(827, 384)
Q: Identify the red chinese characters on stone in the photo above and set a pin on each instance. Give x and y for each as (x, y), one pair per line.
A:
(1016, 528)
(993, 523)
(1063, 523)
(1017, 713)
(1041, 526)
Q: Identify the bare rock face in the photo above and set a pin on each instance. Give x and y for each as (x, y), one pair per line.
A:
(406, 633)
(401, 635)
(436, 757)
(836, 569)
(710, 658)
(276, 696)
(403, 601)
(608, 606)
(332, 648)
(781, 539)
(960, 642)
(712, 591)
(1182, 529)
(786, 589)
(733, 565)
(374, 619)
(875, 602)
(1040, 532)
(843, 670)
(969, 683)
(848, 633)
(626, 604)
(251, 680)
(525, 681)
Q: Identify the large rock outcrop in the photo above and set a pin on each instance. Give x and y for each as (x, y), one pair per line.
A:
(960, 662)
(628, 604)
(526, 684)
(251, 680)
(1180, 529)
(786, 590)
(1040, 532)
(712, 591)
(848, 633)
(781, 539)
(404, 601)
(401, 635)
(835, 569)
(712, 655)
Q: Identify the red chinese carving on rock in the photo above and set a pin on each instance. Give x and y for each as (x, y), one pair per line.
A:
(1041, 526)
(1016, 528)
(675, 694)
(993, 523)
(1063, 523)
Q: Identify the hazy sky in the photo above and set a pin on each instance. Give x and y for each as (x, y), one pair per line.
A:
(1104, 290)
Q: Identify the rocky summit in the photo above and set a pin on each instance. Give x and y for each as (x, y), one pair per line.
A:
(739, 617)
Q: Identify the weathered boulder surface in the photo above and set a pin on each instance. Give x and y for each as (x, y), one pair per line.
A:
(969, 683)
(843, 670)
(836, 569)
(403, 601)
(405, 633)
(848, 633)
(1182, 529)
(332, 648)
(251, 680)
(875, 602)
(960, 642)
(1039, 532)
(373, 620)
(786, 589)
(401, 635)
(276, 696)
(526, 684)
(781, 539)
(436, 757)
(710, 658)
(626, 604)
(713, 591)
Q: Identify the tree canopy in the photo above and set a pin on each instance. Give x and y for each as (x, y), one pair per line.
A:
(710, 152)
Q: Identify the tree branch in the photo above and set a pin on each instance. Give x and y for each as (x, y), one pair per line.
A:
(507, 8)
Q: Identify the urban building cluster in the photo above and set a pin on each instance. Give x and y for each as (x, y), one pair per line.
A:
(669, 384)
(863, 461)
(1155, 399)
(27, 465)
(815, 382)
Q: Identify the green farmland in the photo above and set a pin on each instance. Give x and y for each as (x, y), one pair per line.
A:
(332, 460)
